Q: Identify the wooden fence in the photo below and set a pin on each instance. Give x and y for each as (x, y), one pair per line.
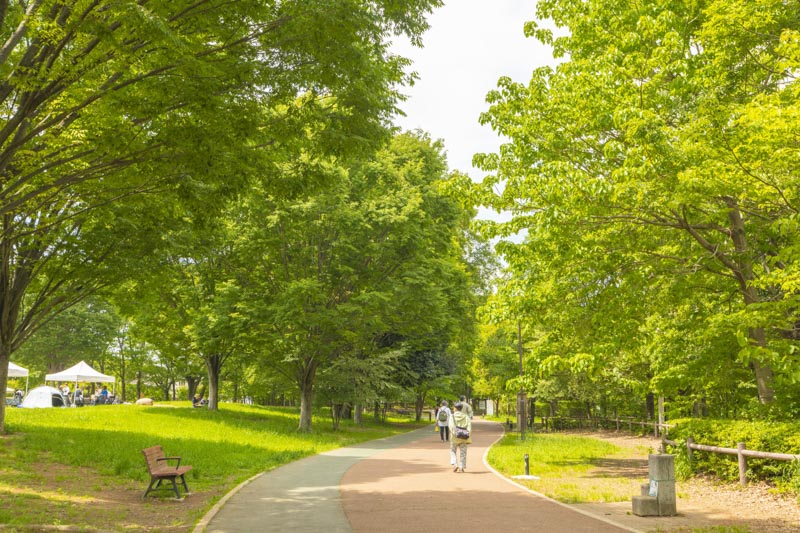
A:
(740, 451)
(556, 423)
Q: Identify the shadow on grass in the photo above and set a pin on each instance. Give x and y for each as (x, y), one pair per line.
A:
(620, 468)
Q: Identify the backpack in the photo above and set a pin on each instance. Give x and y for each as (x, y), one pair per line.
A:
(442, 416)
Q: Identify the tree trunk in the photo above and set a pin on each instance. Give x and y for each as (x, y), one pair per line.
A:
(5, 357)
(358, 410)
(744, 275)
(763, 372)
(122, 374)
(191, 385)
(650, 402)
(214, 367)
(306, 404)
(419, 405)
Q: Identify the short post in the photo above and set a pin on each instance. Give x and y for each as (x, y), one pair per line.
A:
(689, 442)
(740, 446)
(658, 496)
(527, 466)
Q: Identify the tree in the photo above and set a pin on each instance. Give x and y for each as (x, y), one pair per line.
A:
(113, 110)
(640, 168)
(335, 267)
(83, 332)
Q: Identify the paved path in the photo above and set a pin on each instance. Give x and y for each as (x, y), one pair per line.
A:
(399, 484)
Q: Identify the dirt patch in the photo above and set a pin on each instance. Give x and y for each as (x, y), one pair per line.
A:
(702, 502)
(80, 499)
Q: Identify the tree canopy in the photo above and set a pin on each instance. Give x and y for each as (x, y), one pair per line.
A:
(121, 117)
(654, 172)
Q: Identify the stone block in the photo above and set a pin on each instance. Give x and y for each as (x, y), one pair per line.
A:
(645, 506)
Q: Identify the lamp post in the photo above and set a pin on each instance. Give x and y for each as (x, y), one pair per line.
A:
(522, 399)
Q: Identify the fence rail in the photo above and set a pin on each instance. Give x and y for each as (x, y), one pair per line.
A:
(555, 423)
(740, 451)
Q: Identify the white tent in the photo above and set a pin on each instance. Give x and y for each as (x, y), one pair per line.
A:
(44, 396)
(82, 373)
(16, 371)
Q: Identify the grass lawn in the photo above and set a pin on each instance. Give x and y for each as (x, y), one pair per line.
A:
(571, 468)
(84, 467)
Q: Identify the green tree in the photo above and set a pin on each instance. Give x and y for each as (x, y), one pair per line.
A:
(337, 266)
(82, 332)
(640, 168)
(113, 110)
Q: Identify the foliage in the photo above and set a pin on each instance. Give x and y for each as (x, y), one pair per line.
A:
(82, 332)
(122, 118)
(650, 172)
(365, 252)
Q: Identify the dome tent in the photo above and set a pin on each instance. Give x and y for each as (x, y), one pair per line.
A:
(44, 396)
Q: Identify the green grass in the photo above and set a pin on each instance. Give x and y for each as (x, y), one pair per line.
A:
(224, 448)
(572, 469)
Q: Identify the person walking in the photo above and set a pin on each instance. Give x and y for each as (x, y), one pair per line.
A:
(443, 421)
(467, 407)
(460, 426)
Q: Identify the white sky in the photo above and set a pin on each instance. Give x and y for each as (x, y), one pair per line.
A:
(469, 46)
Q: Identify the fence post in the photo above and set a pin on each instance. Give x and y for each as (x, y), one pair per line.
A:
(689, 442)
(742, 464)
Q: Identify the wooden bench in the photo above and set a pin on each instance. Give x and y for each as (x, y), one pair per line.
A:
(160, 470)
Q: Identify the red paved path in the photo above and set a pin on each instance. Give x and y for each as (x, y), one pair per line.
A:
(412, 488)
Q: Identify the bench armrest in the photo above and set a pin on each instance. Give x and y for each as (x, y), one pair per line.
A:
(170, 459)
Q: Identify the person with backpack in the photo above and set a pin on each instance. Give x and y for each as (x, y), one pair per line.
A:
(461, 429)
(442, 420)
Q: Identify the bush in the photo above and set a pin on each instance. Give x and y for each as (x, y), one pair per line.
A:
(775, 437)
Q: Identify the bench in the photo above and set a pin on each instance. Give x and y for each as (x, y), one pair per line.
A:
(160, 470)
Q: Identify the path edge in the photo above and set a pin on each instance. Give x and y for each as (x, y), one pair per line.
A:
(200, 527)
(540, 495)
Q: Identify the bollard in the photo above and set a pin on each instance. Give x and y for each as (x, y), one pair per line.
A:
(527, 466)
(658, 496)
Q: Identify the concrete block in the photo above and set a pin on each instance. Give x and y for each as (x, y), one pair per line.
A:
(661, 466)
(667, 500)
(645, 506)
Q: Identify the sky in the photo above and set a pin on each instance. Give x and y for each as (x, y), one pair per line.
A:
(469, 46)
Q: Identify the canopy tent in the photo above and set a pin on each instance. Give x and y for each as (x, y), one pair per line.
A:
(16, 371)
(82, 373)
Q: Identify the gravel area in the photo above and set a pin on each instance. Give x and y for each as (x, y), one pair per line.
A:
(706, 503)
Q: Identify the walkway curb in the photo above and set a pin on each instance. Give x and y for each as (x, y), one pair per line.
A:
(540, 495)
(203, 523)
